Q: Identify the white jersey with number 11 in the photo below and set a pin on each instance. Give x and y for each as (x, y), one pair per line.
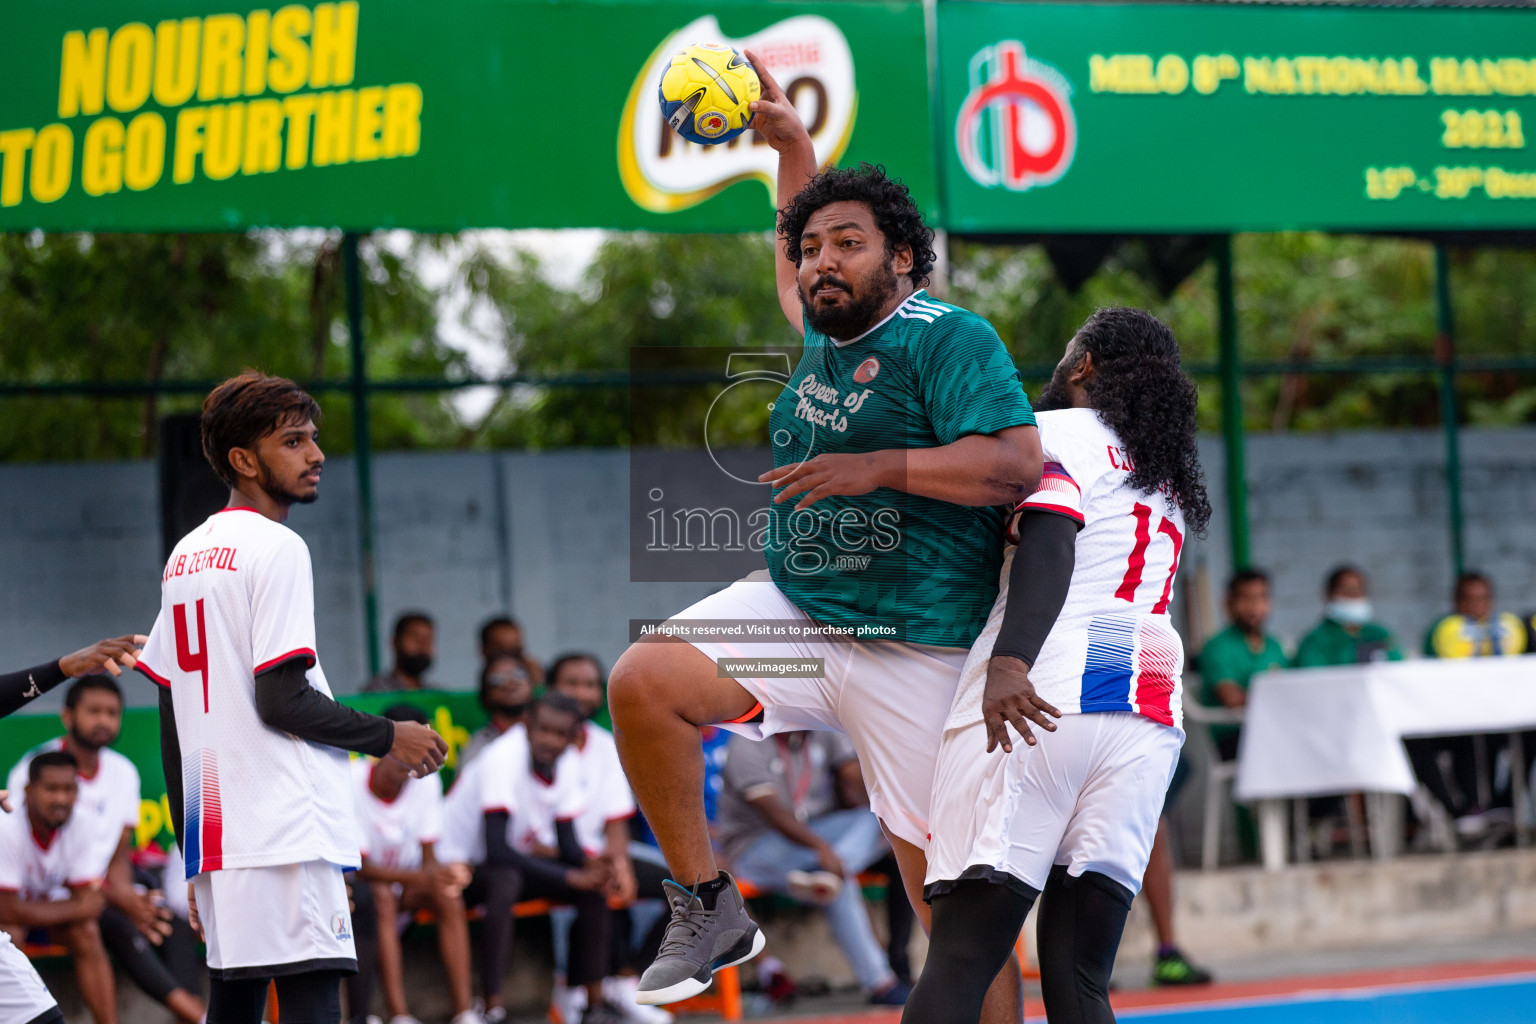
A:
(1113, 647)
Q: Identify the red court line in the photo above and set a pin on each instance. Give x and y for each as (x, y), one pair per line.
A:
(1270, 987)
(1223, 991)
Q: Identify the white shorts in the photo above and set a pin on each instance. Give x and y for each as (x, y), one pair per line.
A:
(1087, 795)
(284, 919)
(23, 996)
(889, 698)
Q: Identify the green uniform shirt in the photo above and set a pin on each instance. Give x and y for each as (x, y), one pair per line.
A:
(1228, 658)
(1331, 644)
(921, 570)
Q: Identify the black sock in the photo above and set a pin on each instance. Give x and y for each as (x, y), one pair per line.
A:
(709, 892)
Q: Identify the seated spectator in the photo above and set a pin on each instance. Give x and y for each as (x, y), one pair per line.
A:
(52, 867)
(512, 813)
(781, 829)
(399, 821)
(1447, 765)
(503, 636)
(1474, 629)
(1234, 656)
(136, 925)
(603, 830)
(1347, 635)
(414, 641)
(505, 690)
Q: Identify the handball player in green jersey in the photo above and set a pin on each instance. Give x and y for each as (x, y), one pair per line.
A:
(897, 441)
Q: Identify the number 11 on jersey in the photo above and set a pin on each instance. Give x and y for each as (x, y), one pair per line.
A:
(1138, 559)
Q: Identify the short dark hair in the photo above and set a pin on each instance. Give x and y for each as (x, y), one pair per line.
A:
(245, 409)
(405, 713)
(496, 622)
(406, 619)
(1243, 577)
(1337, 576)
(555, 701)
(1471, 576)
(51, 759)
(77, 691)
(552, 673)
(896, 213)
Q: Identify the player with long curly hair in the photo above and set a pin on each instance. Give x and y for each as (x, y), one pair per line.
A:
(1080, 633)
(897, 436)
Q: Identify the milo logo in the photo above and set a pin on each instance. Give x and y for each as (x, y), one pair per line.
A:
(808, 56)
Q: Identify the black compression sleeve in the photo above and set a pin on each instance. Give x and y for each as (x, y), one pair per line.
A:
(17, 688)
(286, 701)
(570, 847)
(1037, 584)
(499, 851)
(170, 760)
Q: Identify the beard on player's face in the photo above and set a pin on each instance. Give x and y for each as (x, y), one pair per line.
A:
(1058, 393)
(287, 492)
(858, 303)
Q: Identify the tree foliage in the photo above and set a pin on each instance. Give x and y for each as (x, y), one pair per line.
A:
(104, 308)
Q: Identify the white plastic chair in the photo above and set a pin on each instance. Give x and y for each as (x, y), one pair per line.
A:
(1219, 775)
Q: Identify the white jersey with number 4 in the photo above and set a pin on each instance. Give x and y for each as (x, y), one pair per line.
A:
(237, 598)
(1113, 647)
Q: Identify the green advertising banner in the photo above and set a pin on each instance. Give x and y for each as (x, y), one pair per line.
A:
(158, 115)
(1188, 118)
(454, 715)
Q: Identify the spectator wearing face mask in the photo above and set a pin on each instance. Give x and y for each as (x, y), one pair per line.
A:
(1348, 634)
(505, 690)
(415, 639)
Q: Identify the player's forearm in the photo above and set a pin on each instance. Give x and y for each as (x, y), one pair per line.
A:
(498, 851)
(286, 701)
(1038, 582)
(119, 889)
(170, 761)
(371, 872)
(979, 469)
(797, 166)
(43, 913)
(783, 821)
(616, 833)
(17, 688)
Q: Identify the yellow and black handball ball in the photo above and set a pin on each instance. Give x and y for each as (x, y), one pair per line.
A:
(705, 93)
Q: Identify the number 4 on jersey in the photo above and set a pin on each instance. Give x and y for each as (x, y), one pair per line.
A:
(1138, 559)
(185, 659)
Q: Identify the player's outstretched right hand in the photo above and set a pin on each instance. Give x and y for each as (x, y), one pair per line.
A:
(773, 116)
(418, 748)
(110, 655)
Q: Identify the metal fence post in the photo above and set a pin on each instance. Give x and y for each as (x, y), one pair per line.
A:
(362, 448)
(1230, 367)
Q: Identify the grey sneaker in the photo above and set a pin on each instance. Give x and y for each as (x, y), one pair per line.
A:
(698, 943)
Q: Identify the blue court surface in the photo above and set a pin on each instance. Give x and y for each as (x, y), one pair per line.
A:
(1499, 1000)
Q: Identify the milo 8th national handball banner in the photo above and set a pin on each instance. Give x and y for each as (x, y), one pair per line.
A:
(1188, 117)
(170, 115)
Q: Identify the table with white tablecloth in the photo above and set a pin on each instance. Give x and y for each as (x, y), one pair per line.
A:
(1322, 731)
